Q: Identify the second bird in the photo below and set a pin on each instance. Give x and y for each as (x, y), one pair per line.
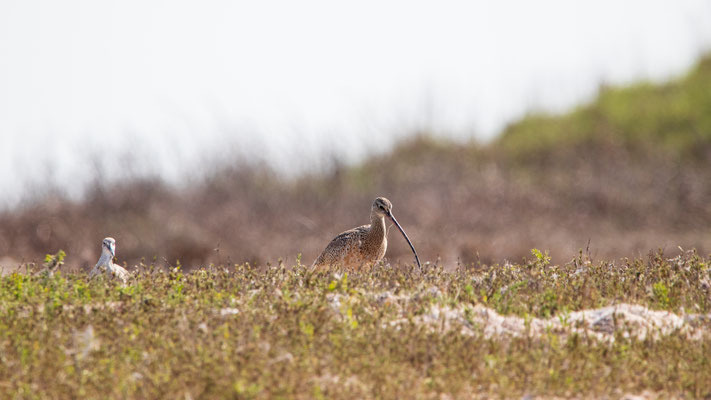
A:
(364, 245)
(106, 262)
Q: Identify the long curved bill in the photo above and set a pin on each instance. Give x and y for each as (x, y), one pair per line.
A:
(392, 218)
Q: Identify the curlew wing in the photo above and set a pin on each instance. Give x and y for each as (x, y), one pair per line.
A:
(340, 246)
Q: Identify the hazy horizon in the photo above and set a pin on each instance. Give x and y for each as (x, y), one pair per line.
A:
(90, 88)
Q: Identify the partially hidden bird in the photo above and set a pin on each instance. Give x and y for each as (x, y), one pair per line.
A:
(364, 245)
(106, 262)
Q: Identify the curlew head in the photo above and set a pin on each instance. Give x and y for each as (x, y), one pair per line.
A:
(384, 208)
(109, 244)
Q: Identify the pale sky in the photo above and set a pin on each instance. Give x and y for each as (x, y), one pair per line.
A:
(167, 86)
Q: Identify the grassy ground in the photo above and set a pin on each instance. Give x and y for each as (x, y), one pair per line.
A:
(283, 332)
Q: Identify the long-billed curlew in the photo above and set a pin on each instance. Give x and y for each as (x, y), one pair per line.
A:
(365, 244)
(106, 262)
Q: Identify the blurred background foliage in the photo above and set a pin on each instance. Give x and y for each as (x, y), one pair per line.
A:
(621, 176)
(673, 117)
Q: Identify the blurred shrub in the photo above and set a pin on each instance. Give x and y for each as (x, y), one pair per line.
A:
(674, 116)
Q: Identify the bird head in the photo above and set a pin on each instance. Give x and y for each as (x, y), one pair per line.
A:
(383, 207)
(110, 245)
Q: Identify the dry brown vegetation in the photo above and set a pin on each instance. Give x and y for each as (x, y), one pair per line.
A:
(456, 202)
(624, 175)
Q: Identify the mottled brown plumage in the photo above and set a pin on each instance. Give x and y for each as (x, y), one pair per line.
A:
(364, 245)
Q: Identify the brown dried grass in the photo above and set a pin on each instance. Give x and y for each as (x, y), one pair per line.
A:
(458, 202)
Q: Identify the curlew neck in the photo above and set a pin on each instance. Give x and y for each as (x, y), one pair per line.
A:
(377, 232)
